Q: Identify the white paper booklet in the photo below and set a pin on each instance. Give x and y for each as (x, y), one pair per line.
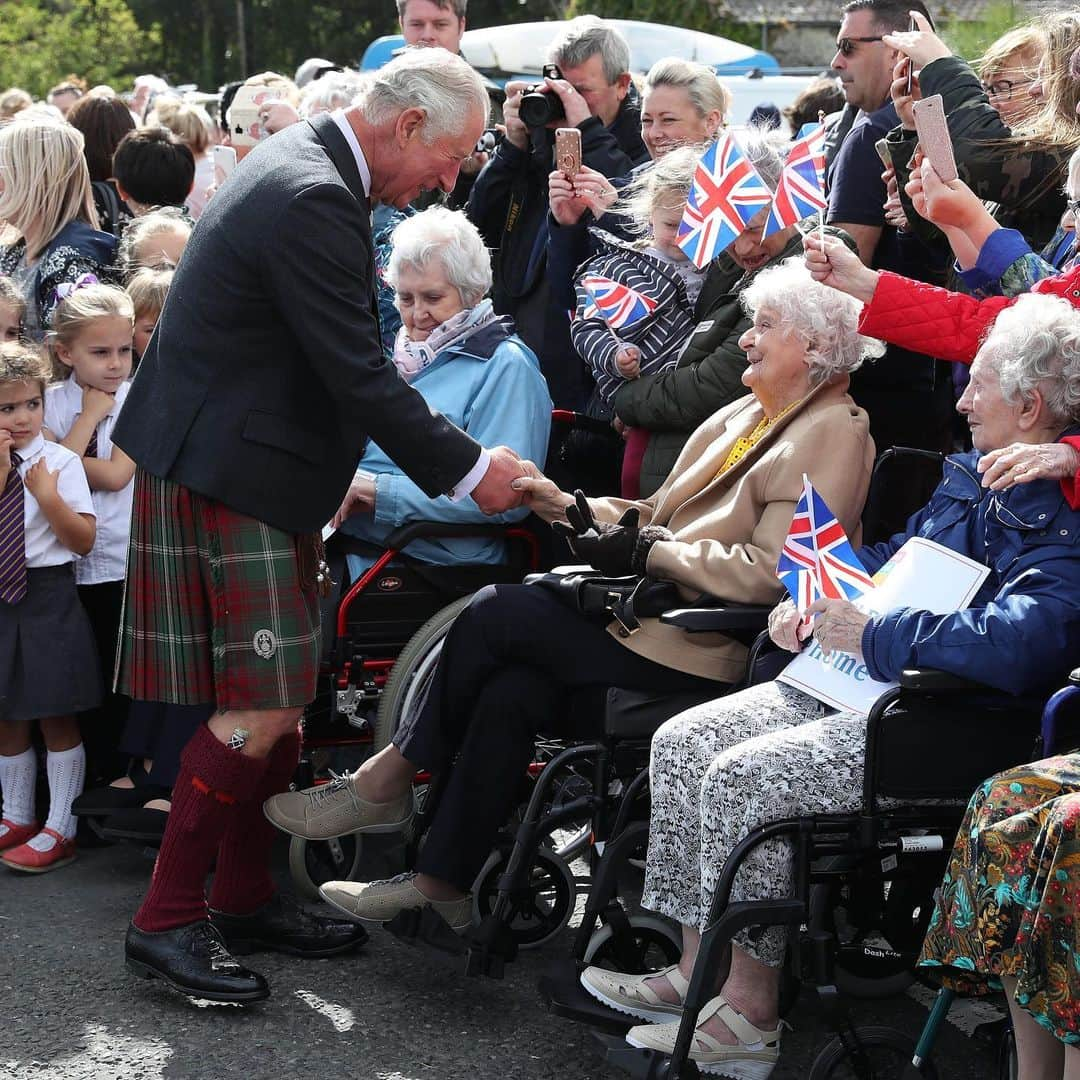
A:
(921, 575)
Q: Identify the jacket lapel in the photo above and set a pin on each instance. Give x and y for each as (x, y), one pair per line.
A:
(341, 154)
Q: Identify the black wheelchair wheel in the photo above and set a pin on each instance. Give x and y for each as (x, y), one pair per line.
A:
(1008, 1065)
(648, 943)
(545, 904)
(315, 862)
(885, 1054)
(411, 675)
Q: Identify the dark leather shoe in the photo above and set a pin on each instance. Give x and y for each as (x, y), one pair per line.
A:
(193, 959)
(141, 824)
(282, 925)
(103, 801)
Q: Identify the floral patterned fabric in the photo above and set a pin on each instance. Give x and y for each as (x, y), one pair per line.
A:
(1008, 904)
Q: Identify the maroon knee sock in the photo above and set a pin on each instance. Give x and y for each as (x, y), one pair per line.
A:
(211, 788)
(242, 880)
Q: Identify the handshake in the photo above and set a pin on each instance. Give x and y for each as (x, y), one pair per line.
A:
(496, 493)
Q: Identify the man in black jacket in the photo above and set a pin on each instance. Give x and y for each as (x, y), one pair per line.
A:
(509, 201)
(252, 406)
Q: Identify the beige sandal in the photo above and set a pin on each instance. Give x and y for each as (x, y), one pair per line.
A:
(629, 994)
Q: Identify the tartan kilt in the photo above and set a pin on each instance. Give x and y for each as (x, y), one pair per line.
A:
(215, 607)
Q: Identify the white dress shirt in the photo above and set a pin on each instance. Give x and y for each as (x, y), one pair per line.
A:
(108, 559)
(468, 482)
(42, 546)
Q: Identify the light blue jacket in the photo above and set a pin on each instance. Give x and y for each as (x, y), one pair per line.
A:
(490, 386)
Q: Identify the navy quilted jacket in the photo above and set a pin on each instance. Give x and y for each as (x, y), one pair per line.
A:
(1022, 631)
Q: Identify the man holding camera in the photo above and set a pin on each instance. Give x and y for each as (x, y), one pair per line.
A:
(509, 201)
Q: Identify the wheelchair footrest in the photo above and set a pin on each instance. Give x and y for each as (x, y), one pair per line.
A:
(489, 947)
(424, 926)
(643, 1064)
(564, 995)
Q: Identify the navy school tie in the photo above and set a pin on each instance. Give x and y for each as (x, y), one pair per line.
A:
(12, 536)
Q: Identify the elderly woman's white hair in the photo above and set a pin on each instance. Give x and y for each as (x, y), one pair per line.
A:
(447, 89)
(1035, 345)
(336, 90)
(825, 319)
(450, 240)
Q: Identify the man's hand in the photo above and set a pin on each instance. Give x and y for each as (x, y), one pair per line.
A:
(628, 361)
(1021, 463)
(833, 263)
(787, 628)
(516, 132)
(574, 105)
(839, 626)
(359, 499)
(41, 483)
(493, 494)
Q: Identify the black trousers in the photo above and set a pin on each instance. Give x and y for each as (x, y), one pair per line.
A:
(509, 664)
(101, 727)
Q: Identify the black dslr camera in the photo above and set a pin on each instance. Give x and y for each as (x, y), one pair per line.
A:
(541, 105)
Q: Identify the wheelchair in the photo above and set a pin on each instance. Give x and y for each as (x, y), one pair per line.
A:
(879, 866)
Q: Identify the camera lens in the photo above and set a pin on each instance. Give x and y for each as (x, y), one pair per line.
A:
(538, 109)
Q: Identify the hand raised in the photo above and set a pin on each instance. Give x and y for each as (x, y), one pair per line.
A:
(41, 483)
(97, 403)
(833, 263)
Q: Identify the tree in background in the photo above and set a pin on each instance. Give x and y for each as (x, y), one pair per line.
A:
(41, 41)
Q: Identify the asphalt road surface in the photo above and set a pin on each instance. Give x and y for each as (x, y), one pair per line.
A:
(71, 1011)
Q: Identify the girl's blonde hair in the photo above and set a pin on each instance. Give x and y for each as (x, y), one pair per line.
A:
(191, 124)
(1028, 41)
(11, 295)
(148, 288)
(78, 309)
(665, 183)
(165, 219)
(46, 181)
(22, 362)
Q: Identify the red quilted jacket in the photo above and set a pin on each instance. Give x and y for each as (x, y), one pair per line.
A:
(931, 320)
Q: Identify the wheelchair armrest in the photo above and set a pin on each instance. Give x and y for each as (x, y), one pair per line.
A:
(1074, 676)
(931, 680)
(415, 530)
(722, 618)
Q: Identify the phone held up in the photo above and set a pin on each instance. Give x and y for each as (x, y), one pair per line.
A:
(932, 127)
(912, 25)
(568, 151)
(224, 162)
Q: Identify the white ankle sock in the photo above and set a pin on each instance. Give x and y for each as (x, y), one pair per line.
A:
(18, 776)
(67, 771)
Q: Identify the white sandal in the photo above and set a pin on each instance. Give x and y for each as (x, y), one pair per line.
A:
(753, 1057)
(629, 994)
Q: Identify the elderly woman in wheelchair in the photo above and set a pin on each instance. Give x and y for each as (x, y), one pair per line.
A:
(515, 655)
(772, 752)
(470, 365)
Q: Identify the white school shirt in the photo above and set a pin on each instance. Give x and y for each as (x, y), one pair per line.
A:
(107, 561)
(42, 547)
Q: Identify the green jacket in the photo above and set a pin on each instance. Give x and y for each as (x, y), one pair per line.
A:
(673, 403)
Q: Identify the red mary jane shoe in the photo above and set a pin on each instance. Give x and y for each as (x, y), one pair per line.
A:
(29, 861)
(17, 834)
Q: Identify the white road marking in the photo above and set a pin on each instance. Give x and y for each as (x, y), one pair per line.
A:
(339, 1015)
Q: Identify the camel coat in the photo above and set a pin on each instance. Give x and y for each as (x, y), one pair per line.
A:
(728, 532)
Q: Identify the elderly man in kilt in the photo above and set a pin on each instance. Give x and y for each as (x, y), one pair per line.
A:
(250, 411)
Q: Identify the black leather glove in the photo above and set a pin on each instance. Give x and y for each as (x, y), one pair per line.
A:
(614, 550)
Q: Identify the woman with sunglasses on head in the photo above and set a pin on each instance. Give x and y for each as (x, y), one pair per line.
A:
(1020, 162)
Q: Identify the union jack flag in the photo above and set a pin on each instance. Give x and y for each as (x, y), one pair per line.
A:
(726, 193)
(618, 305)
(801, 191)
(817, 558)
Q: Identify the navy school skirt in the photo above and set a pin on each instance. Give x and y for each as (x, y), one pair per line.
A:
(48, 661)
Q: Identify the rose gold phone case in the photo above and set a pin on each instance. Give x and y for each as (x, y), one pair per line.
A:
(568, 151)
(933, 131)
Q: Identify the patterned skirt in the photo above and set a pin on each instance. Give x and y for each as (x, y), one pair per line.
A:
(1008, 904)
(217, 607)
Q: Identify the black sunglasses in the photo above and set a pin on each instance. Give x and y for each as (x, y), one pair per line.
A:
(845, 46)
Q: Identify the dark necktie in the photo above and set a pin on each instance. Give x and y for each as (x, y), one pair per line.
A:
(12, 536)
(91, 446)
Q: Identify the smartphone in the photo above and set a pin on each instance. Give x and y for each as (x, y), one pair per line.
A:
(243, 117)
(933, 130)
(912, 25)
(882, 148)
(568, 151)
(224, 163)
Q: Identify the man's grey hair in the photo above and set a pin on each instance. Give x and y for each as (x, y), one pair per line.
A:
(1035, 345)
(456, 6)
(450, 240)
(443, 85)
(826, 320)
(588, 36)
(767, 150)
